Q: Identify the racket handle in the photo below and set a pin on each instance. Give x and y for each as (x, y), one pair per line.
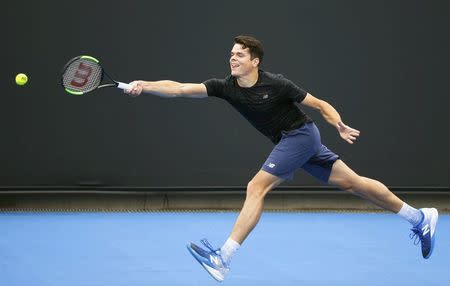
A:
(122, 85)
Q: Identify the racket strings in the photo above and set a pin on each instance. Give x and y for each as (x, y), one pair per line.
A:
(82, 75)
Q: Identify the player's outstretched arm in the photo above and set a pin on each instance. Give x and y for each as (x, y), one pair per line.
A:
(168, 88)
(332, 116)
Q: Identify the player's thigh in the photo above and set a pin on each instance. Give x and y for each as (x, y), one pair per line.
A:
(343, 176)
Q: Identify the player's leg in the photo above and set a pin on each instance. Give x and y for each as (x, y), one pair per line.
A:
(372, 190)
(217, 261)
(423, 221)
(249, 216)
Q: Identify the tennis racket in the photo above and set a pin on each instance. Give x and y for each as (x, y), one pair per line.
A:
(84, 74)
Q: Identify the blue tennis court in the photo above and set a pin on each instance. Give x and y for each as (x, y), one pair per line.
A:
(134, 249)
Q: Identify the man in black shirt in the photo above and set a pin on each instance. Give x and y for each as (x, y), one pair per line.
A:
(268, 102)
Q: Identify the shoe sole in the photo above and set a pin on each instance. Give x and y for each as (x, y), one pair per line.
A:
(211, 271)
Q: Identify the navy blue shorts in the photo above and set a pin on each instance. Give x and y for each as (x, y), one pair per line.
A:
(300, 148)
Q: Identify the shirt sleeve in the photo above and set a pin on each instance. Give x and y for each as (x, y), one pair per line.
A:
(215, 87)
(292, 91)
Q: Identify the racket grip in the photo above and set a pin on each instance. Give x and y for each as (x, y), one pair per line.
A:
(122, 85)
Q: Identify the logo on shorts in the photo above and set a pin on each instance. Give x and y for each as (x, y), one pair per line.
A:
(271, 165)
(265, 96)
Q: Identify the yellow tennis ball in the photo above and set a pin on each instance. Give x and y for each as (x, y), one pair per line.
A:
(21, 79)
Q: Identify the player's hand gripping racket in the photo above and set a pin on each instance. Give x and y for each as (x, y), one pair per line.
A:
(84, 74)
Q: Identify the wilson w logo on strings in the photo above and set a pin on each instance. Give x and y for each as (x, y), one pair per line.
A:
(81, 76)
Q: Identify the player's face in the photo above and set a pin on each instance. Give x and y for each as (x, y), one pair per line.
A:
(241, 63)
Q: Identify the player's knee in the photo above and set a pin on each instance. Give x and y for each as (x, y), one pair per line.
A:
(256, 189)
(352, 183)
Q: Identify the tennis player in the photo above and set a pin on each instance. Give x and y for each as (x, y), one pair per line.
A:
(268, 102)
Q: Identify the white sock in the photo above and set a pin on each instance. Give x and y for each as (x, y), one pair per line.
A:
(228, 250)
(414, 216)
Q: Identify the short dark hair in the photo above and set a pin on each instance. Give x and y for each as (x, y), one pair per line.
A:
(253, 44)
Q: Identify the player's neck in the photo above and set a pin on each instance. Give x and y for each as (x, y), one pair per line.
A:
(248, 80)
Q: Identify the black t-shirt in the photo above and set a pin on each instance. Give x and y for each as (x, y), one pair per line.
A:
(269, 105)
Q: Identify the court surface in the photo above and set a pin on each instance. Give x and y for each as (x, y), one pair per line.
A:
(134, 249)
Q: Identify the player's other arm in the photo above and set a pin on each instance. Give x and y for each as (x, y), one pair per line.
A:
(168, 89)
(330, 114)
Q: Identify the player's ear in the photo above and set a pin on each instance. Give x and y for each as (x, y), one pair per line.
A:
(255, 62)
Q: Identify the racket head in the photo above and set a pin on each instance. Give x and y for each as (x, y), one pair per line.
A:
(81, 75)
